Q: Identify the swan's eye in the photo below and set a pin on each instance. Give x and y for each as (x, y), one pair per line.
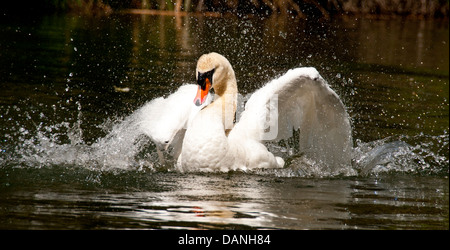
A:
(203, 78)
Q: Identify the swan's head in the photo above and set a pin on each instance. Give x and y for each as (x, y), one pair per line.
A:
(213, 70)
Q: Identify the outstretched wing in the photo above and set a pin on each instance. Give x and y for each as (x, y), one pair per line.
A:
(165, 120)
(299, 100)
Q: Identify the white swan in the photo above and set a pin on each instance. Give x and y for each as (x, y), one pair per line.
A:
(203, 132)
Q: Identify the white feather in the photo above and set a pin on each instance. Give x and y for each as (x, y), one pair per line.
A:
(165, 120)
(299, 100)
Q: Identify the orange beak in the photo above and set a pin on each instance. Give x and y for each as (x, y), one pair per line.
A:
(200, 98)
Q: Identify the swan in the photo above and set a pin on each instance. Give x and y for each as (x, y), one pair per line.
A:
(204, 132)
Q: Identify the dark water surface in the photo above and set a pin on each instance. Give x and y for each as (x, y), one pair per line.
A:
(69, 86)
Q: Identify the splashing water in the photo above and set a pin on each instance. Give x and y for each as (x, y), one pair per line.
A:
(428, 155)
(119, 149)
(125, 147)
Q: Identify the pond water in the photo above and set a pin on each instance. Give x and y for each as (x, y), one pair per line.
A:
(69, 86)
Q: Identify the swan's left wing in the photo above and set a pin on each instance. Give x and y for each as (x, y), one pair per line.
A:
(165, 120)
(299, 100)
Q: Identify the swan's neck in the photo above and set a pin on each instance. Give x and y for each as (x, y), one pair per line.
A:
(225, 101)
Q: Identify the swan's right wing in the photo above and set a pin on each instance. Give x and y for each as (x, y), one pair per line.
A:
(165, 120)
(299, 100)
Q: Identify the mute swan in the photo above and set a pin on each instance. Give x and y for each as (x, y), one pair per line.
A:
(202, 129)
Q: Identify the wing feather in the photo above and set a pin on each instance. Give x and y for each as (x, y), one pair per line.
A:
(165, 120)
(299, 100)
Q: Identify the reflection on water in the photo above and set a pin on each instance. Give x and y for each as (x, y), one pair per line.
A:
(69, 157)
(221, 201)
